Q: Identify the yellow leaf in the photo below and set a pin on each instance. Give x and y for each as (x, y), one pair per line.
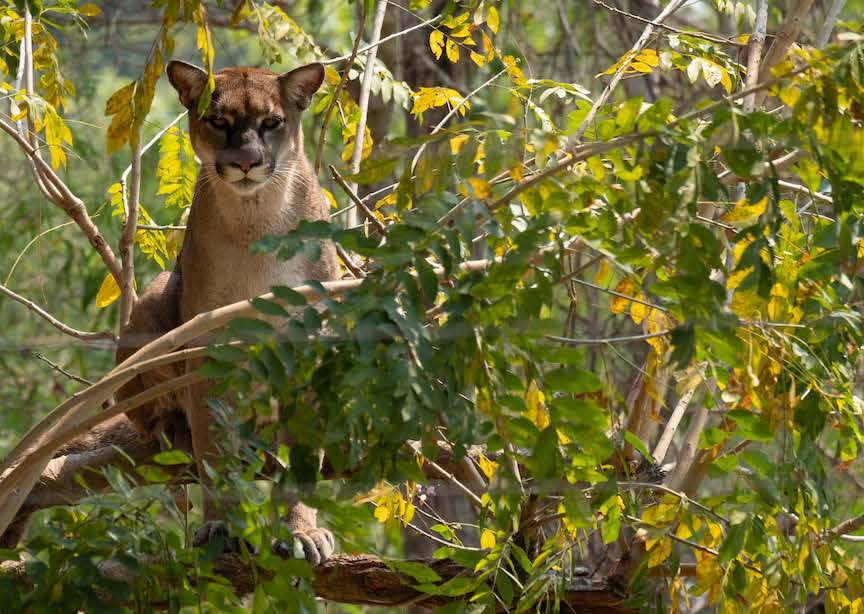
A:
(649, 57)
(436, 43)
(382, 513)
(638, 311)
(241, 12)
(89, 9)
(487, 539)
(329, 196)
(536, 409)
(477, 58)
(627, 287)
(640, 67)
(516, 174)
(745, 214)
(486, 466)
(492, 19)
(457, 142)
(452, 51)
(480, 187)
(488, 48)
(109, 292)
(658, 551)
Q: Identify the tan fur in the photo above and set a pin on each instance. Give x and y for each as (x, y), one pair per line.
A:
(255, 180)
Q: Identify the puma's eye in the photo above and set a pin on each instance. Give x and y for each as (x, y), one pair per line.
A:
(271, 123)
(220, 123)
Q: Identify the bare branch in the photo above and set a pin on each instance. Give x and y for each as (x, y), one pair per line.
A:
(64, 328)
(352, 195)
(386, 39)
(451, 113)
(640, 43)
(349, 61)
(363, 102)
(674, 420)
(689, 448)
(61, 370)
(830, 21)
(127, 238)
(754, 57)
(785, 37)
(605, 340)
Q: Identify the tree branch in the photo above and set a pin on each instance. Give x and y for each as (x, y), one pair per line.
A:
(361, 579)
(64, 328)
(363, 103)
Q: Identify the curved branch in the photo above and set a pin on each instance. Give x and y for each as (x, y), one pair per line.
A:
(63, 328)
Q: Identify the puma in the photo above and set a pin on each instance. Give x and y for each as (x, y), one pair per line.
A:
(254, 180)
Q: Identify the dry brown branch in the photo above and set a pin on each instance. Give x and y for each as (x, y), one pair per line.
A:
(754, 57)
(365, 90)
(64, 328)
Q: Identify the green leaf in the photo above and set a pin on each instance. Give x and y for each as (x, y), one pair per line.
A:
(172, 457)
(418, 571)
(574, 381)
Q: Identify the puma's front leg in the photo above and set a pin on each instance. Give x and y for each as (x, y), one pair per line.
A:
(317, 542)
(205, 451)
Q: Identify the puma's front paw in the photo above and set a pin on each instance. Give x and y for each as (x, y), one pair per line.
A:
(317, 544)
(215, 530)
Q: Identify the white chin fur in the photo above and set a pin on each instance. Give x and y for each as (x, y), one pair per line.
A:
(243, 182)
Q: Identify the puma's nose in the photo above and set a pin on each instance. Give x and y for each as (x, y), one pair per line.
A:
(246, 165)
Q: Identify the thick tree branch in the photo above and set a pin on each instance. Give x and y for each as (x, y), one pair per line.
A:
(363, 579)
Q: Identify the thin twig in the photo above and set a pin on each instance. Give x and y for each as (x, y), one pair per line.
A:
(356, 271)
(640, 43)
(675, 493)
(349, 61)
(64, 328)
(363, 102)
(579, 151)
(386, 39)
(605, 340)
(588, 284)
(663, 26)
(451, 113)
(352, 195)
(61, 370)
(795, 187)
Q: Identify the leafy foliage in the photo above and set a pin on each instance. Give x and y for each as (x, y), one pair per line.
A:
(548, 298)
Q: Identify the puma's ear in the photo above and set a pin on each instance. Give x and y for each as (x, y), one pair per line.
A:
(188, 80)
(298, 85)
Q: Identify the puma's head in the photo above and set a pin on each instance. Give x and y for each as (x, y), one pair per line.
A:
(250, 133)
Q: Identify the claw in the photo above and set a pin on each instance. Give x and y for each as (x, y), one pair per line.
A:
(317, 544)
